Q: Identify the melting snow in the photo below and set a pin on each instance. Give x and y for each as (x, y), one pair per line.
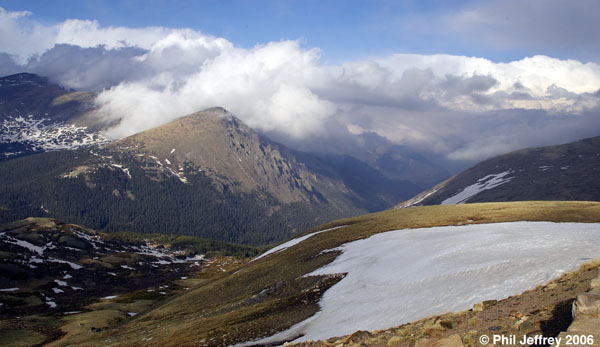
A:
(41, 134)
(61, 283)
(109, 297)
(124, 169)
(404, 275)
(486, 183)
(57, 290)
(9, 290)
(172, 151)
(167, 161)
(72, 265)
(38, 250)
(291, 243)
(33, 248)
(52, 304)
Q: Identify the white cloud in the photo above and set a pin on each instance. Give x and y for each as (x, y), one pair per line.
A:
(561, 28)
(463, 107)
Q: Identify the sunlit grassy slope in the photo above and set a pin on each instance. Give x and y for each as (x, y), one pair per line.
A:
(259, 298)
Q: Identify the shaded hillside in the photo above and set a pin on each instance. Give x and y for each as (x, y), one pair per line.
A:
(563, 172)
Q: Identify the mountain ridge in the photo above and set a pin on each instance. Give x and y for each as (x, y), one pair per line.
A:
(560, 172)
(214, 177)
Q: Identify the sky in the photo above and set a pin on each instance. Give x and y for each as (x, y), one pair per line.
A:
(464, 79)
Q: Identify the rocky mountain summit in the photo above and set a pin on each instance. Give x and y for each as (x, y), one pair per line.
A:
(229, 152)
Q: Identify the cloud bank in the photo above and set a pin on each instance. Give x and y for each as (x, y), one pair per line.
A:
(464, 108)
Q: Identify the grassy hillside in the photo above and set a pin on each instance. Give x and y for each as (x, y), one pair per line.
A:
(259, 298)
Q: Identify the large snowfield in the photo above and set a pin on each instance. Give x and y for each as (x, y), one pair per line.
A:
(404, 275)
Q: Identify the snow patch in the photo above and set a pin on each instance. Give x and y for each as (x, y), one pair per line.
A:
(291, 243)
(71, 264)
(21, 243)
(124, 169)
(405, 275)
(61, 283)
(486, 183)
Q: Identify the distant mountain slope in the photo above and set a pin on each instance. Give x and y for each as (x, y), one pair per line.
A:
(37, 116)
(206, 174)
(563, 172)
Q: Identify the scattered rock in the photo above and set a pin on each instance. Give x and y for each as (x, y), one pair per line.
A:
(516, 314)
(587, 304)
(484, 305)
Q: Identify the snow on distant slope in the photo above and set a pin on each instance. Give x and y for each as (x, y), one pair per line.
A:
(404, 275)
(488, 182)
(40, 134)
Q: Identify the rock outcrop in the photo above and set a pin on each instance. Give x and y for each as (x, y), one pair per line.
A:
(585, 329)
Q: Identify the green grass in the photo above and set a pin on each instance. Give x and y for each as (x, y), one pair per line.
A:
(228, 308)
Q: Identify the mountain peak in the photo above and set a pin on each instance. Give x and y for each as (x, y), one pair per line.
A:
(227, 150)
